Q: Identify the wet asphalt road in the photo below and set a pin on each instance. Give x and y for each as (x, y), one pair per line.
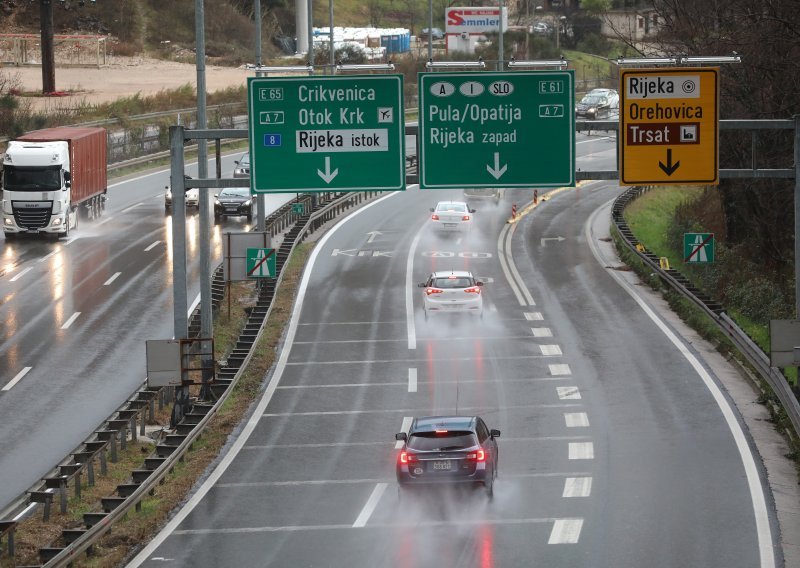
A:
(73, 370)
(614, 452)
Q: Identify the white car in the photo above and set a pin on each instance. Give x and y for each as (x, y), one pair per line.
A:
(452, 291)
(611, 94)
(452, 216)
(192, 198)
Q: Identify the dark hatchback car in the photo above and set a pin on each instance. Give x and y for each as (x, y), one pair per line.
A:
(593, 107)
(234, 202)
(448, 449)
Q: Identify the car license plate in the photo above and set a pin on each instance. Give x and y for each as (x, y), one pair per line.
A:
(445, 465)
(451, 225)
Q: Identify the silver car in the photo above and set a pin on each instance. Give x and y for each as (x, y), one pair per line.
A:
(242, 169)
(452, 216)
(454, 291)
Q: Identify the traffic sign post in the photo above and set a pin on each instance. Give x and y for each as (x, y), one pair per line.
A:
(326, 133)
(298, 208)
(669, 126)
(261, 263)
(698, 248)
(497, 129)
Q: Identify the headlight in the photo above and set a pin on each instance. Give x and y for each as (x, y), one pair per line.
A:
(247, 203)
(8, 221)
(592, 109)
(56, 222)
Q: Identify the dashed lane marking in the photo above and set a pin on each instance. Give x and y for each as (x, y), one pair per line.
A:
(49, 255)
(550, 350)
(110, 280)
(568, 393)
(533, 316)
(71, 320)
(10, 384)
(21, 274)
(541, 332)
(566, 531)
(576, 419)
(438, 382)
(412, 379)
(560, 369)
(581, 451)
(152, 246)
(370, 505)
(577, 487)
(481, 409)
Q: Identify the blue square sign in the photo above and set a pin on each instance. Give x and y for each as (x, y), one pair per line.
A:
(272, 140)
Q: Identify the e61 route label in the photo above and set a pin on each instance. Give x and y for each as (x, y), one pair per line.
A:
(326, 133)
(496, 129)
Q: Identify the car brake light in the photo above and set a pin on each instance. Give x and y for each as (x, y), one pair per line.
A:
(430, 291)
(441, 431)
(435, 217)
(478, 456)
(406, 458)
(465, 218)
(474, 290)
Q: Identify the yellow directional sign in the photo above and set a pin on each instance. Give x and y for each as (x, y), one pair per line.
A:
(669, 126)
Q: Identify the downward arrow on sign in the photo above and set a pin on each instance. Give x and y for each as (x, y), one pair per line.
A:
(670, 168)
(497, 171)
(328, 176)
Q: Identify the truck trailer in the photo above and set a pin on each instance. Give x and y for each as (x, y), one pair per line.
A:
(52, 177)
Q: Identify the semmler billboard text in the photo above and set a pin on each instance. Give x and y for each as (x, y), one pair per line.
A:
(474, 20)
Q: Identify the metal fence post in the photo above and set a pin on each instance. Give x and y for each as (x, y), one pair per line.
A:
(797, 214)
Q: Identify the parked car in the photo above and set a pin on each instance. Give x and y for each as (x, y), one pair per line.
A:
(593, 107)
(435, 33)
(242, 169)
(455, 291)
(192, 197)
(234, 202)
(541, 28)
(448, 449)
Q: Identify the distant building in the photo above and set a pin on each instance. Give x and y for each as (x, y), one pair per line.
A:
(636, 25)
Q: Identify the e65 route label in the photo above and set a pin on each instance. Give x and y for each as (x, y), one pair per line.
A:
(326, 133)
(496, 129)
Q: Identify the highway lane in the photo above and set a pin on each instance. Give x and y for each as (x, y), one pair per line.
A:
(75, 315)
(615, 451)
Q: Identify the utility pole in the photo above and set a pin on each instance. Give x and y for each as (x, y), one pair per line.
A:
(333, 51)
(48, 57)
(500, 46)
(261, 199)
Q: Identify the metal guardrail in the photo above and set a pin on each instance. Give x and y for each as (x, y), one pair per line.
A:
(751, 351)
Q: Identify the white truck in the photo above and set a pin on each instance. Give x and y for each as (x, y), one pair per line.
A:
(51, 177)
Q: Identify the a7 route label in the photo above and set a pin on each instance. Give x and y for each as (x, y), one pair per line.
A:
(496, 129)
(326, 133)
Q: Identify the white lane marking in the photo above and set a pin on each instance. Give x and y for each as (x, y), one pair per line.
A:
(398, 361)
(577, 487)
(403, 428)
(49, 255)
(10, 384)
(369, 507)
(104, 221)
(69, 241)
(458, 242)
(550, 350)
(560, 369)
(501, 255)
(423, 338)
(152, 246)
(576, 419)
(513, 267)
(568, 393)
(479, 409)
(71, 320)
(581, 451)
(412, 379)
(410, 287)
(566, 531)
(21, 274)
(382, 443)
(405, 383)
(533, 316)
(110, 280)
(595, 139)
(541, 332)
(766, 553)
(255, 418)
(132, 207)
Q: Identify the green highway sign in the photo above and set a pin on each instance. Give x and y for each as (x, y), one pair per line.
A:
(483, 129)
(298, 208)
(326, 133)
(698, 248)
(261, 263)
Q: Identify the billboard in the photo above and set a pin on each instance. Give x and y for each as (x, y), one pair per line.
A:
(474, 20)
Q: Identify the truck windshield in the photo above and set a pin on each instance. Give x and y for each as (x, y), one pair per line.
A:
(32, 179)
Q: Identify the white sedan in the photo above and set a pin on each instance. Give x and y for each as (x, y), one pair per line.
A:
(452, 216)
(452, 291)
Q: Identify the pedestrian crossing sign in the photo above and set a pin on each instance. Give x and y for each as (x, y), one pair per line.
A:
(260, 263)
(698, 248)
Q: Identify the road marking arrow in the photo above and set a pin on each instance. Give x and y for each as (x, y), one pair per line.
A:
(670, 168)
(545, 239)
(497, 171)
(372, 235)
(328, 176)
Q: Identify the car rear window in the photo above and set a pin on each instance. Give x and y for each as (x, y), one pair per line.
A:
(451, 440)
(460, 282)
(452, 207)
